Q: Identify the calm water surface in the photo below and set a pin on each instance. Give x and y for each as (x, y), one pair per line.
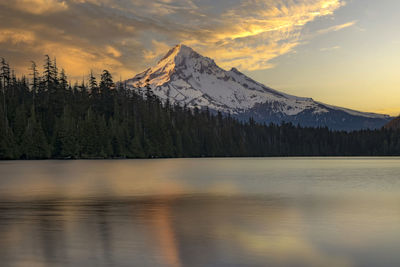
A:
(201, 212)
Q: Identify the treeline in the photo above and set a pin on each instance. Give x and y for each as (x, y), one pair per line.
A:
(46, 117)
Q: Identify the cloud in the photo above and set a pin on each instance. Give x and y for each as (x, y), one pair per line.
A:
(337, 27)
(255, 32)
(112, 51)
(158, 49)
(325, 49)
(127, 36)
(40, 6)
(16, 36)
(251, 34)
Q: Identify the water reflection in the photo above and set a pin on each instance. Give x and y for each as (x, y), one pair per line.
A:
(178, 213)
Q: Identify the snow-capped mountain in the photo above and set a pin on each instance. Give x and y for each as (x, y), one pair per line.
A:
(185, 77)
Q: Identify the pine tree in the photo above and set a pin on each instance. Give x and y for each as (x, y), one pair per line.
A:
(94, 90)
(35, 145)
(5, 83)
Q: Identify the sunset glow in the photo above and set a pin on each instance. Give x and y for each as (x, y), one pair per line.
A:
(344, 53)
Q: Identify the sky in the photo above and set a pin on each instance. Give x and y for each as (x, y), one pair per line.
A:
(344, 53)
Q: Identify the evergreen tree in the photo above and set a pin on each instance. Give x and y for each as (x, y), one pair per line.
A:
(34, 142)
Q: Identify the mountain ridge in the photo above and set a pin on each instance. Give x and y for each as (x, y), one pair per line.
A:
(185, 77)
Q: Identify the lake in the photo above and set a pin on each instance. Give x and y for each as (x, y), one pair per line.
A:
(201, 212)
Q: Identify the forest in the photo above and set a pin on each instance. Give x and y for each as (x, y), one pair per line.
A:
(44, 116)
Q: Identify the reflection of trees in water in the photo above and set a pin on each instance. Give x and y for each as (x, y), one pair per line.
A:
(131, 232)
(50, 227)
(176, 231)
(105, 233)
(167, 231)
(32, 232)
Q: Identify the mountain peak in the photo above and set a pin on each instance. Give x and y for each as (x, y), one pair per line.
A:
(185, 77)
(180, 49)
(179, 59)
(184, 49)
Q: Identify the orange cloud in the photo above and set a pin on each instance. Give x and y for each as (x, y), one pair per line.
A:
(126, 36)
(16, 36)
(40, 6)
(264, 30)
(250, 35)
(75, 60)
(113, 51)
(158, 49)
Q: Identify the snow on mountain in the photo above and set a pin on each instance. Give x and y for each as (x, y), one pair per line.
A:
(185, 77)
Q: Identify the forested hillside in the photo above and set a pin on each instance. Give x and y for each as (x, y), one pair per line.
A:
(393, 124)
(43, 116)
